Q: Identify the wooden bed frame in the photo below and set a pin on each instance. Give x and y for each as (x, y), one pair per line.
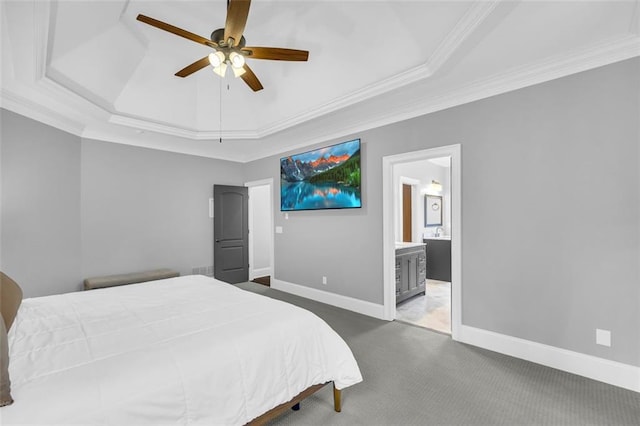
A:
(294, 404)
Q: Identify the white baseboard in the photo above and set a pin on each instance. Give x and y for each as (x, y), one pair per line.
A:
(600, 369)
(344, 302)
(261, 272)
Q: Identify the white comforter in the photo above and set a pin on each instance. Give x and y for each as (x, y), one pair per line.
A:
(186, 350)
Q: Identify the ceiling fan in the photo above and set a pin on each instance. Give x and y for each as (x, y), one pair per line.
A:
(230, 46)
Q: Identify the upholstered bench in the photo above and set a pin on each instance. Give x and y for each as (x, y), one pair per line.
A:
(132, 278)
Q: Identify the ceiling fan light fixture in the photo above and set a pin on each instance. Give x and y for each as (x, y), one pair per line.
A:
(216, 58)
(221, 69)
(237, 72)
(237, 60)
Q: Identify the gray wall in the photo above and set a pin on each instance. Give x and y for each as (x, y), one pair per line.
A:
(76, 208)
(550, 214)
(551, 210)
(145, 209)
(325, 243)
(40, 205)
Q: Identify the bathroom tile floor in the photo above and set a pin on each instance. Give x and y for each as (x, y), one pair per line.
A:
(431, 311)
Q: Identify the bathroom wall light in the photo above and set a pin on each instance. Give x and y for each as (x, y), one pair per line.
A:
(435, 186)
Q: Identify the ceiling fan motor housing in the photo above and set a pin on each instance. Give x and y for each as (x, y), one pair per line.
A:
(218, 37)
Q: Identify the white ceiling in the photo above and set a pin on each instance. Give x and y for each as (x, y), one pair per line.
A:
(90, 68)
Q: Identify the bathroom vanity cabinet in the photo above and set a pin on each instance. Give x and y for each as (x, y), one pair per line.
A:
(411, 269)
(439, 258)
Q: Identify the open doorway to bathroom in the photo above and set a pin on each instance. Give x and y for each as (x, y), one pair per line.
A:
(423, 254)
(260, 231)
(422, 274)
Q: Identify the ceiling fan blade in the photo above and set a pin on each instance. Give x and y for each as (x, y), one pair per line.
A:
(196, 66)
(276, 53)
(237, 14)
(175, 30)
(250, 78)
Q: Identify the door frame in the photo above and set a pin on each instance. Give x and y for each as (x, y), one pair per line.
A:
(263, 182)
(389, 221)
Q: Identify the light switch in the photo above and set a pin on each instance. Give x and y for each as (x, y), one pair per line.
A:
(278, 229)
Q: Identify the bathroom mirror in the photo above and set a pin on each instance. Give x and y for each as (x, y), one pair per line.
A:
(432, 210)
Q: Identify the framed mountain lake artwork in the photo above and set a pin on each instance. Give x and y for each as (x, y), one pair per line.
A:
(325, 178)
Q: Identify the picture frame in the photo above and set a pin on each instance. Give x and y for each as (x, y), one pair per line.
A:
(324, 178)
(432, 210)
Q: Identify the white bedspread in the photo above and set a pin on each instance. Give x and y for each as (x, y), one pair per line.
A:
(187, 350)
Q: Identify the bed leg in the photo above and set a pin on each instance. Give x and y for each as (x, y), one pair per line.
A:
(337, 399)
(296, 407)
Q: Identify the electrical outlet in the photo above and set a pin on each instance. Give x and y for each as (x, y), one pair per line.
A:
(324, 280)
(603, 337)
(278, 229)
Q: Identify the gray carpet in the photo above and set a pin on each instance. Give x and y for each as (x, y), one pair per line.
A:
(416, 377)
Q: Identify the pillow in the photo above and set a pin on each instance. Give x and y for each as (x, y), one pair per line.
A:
(5, 383)
(10, 299)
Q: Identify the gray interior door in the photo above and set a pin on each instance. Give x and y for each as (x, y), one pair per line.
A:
(231, 233)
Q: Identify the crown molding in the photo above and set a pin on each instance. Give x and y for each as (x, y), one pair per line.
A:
(52, 98)
(594, 56)
(600, 54)
(136, 123)
(376, 89)
(474, 16)
(558, 66)
(467, 25)
(36, 111)
(42, 16)
(132, 140)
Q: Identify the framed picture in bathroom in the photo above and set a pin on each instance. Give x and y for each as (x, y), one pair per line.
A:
(432, 210)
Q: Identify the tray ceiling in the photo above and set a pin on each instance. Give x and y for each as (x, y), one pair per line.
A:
(90, 68)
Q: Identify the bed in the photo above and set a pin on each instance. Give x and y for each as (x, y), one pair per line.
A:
(185, 350)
